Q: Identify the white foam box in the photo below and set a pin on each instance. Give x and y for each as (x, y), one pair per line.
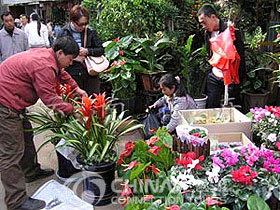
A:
(232, 120)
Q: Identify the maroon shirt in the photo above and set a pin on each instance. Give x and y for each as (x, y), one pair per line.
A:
(28, 76)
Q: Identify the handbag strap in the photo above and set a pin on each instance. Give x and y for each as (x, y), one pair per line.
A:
(85, 38)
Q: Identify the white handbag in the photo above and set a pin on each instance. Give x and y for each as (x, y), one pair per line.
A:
(95, 65)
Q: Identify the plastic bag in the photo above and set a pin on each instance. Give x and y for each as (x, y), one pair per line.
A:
(225, 56)
(151, 123)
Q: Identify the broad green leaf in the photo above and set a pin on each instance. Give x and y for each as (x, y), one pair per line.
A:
(256, 203)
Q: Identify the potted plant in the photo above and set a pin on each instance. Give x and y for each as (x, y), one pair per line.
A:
(266, 126)
(94, 136)
(230, 176)
(152, 53)
(121, 74)
(49, 120)
(194, 66)
(256, 84)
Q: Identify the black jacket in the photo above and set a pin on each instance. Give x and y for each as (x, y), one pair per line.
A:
(93, 45)
(239, 44)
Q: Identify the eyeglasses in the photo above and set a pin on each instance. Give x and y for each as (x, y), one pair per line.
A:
(81, 24)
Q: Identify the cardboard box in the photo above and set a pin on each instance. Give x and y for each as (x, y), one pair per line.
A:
(233, 120)
(231, 137)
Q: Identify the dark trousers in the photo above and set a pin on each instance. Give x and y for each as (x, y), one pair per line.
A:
(29, 162)
(11, 153)
(91, 84)
(215, 89)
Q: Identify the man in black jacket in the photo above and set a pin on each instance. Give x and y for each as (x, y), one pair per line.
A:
(213, 26)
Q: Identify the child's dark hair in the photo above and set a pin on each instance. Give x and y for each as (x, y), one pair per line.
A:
(168, 80)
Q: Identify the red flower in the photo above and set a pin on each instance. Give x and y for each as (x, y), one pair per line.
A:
(108, 71)
(155, 150)
(148, 197)
(129, 145)
(155, 169)
(174, 207)
(187, 158)
(114, 63)
(278, 36)
(244, 175)
(86, 107)
(275, 110)
(124, 201)
(122, 63)
(210, 201)
(196, 134)
(99, 106)
(152, 141)
(121, 52)
(126, 190)
(278, 145)
(131, 165)
(116, 40)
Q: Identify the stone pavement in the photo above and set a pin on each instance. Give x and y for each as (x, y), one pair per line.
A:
(47, 158)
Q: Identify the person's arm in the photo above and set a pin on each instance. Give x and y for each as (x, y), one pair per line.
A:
(26, 46)
(239, 44)
(160, 102)
(95, 47)
(45, 35)
(174, 121)
(45, 82)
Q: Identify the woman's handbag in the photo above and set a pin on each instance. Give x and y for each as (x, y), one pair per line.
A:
(95, 65)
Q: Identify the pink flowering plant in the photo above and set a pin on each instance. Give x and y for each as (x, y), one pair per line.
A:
(266, 126)
(121, 73)
(232, 176)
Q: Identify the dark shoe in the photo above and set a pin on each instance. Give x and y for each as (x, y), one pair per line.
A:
(32, 204)
(39, 174)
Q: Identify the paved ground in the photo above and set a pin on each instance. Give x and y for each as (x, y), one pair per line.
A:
(47, 158)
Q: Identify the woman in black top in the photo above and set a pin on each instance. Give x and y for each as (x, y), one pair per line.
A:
(79, 18)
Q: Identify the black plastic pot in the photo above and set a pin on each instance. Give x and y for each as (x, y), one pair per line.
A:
(65, 167)
(97, 181)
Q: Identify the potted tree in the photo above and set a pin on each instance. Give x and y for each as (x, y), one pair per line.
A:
(256, 85)
(94, 136)
(194, 66)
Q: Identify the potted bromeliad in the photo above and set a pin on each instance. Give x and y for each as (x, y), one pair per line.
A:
(94, 136)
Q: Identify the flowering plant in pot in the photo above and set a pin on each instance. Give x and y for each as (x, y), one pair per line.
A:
(142, 162)
(266, 123)
(121, 73)
(94, 137)
(232, 176)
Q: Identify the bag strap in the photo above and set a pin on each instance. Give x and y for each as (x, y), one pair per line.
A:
(85, 38)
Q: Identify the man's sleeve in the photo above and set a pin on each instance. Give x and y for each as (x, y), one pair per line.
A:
(26, 46)
(45, 82)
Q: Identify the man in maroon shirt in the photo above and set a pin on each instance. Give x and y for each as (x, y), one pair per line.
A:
(24, 78)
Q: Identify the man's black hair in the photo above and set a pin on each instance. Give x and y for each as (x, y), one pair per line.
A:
(7, 13)
(68, 45)
(207, 10)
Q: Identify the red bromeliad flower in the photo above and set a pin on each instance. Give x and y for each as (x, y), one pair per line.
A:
(155, 169)
(65, 91)
(124, 201)
(121, 52)
(122, 63)
(131, 165)
(116, 40)
(87, 110)
(187, 158)
(99, 106)
(211, 201)
(155, 150)
(244, 175)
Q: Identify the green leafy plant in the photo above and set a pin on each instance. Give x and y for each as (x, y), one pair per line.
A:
(194, 66)
(256, 203)
(152, 52)
(257, 64)
(121, 74)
